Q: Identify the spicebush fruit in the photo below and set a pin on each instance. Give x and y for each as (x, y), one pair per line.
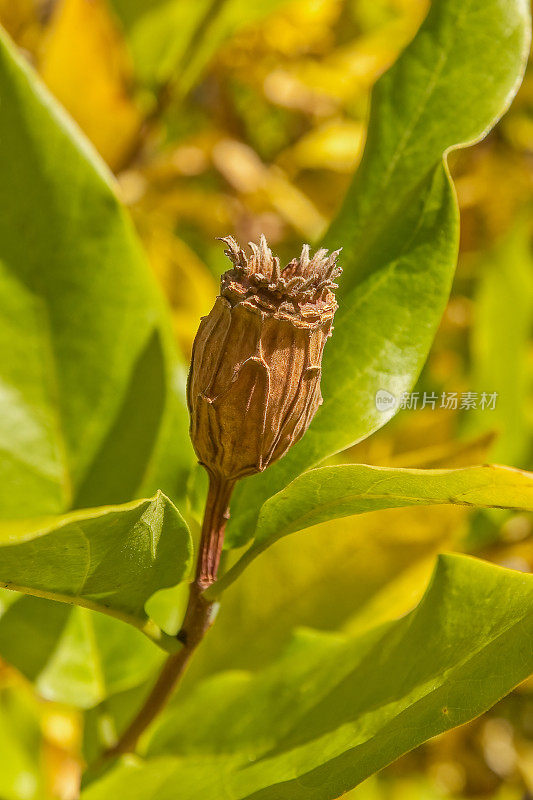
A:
(254, 381)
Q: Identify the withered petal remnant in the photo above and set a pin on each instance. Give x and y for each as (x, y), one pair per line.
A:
(254, 382)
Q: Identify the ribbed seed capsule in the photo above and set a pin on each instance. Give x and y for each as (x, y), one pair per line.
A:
(254, 381)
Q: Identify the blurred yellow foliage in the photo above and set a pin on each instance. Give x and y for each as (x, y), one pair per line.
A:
(85, 64)
(188, 284)
(21, 20)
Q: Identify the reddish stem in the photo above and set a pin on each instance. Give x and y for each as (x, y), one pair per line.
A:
(198, 616)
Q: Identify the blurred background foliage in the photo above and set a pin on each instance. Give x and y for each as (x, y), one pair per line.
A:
(226, 116)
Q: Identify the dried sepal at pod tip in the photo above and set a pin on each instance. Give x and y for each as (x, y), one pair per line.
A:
(254, 381)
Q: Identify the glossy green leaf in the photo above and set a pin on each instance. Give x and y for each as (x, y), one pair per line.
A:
(399, 225)
(73, 655)
(373, 571)
(95, 657)
(110, 559)
(333, 492)
(335, 710)
(87, 376)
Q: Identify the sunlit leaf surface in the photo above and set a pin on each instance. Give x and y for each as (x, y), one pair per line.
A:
(87, 371)
(110, 559)
(335, 710)
(399, 227)
(333, 492)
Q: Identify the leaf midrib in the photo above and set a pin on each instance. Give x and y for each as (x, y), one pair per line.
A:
(421, 501)
(444, 679)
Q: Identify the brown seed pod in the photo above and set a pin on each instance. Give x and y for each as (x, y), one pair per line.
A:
(254, 381)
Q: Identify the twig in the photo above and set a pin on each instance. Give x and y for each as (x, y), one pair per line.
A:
(198, 617)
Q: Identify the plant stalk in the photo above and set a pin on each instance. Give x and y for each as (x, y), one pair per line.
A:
(199, 615)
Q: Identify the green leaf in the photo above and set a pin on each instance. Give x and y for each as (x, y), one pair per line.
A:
(103, 724)
(110, 559)
(87, 364)
(445, 90)
(177, 39)
(329, 493)
(399, 225)
(79, 660)
(373, 571)
(95, 658)
(21, 745)
(501, 334)
(335, 710)
(73, 655)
